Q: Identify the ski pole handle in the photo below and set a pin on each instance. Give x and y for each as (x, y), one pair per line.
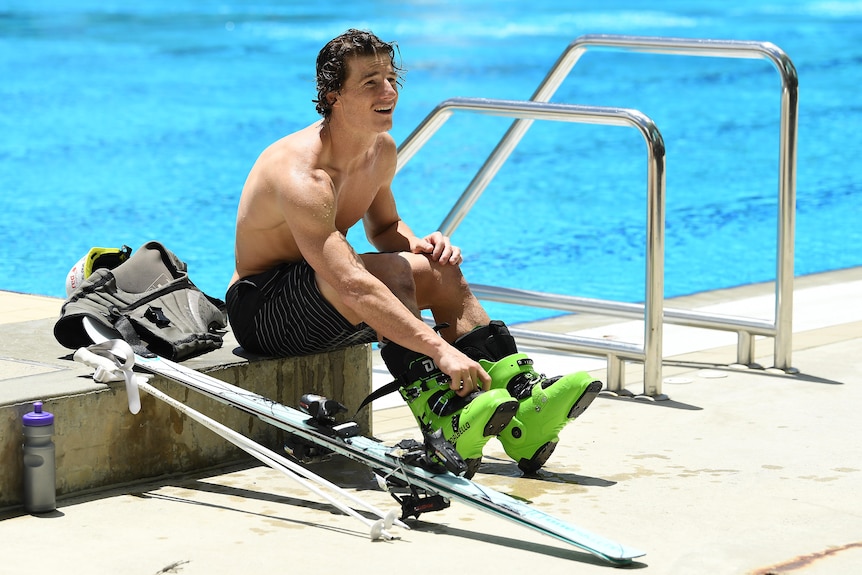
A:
(90, 359)
(109, 370)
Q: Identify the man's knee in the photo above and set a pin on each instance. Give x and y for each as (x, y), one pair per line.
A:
(396, 271)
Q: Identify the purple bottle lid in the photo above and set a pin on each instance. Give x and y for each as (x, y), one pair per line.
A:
(37, 417)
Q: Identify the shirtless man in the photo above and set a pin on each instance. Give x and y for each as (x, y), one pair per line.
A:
(299, 287)
(307, 189)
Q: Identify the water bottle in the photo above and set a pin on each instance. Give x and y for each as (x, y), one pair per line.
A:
(40, 490)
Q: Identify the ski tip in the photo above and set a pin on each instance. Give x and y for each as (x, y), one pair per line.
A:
(626, 556)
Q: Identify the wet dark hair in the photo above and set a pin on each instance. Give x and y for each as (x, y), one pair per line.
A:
(332, 62)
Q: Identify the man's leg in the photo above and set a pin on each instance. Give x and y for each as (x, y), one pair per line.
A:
(468, 423)
(393, 270)
(546, 405)
(421, 283)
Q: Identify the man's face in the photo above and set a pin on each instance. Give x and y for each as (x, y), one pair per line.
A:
(370, 92)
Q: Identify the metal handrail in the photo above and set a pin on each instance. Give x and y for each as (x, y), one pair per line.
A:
(781, 327)
(651, 353)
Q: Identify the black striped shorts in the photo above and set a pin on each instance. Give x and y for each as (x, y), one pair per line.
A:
(281, 312)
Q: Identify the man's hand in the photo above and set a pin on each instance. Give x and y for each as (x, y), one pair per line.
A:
(467, 375)
(439, 248)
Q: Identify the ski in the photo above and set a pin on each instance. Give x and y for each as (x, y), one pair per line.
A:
(417, 488)
(109, 367)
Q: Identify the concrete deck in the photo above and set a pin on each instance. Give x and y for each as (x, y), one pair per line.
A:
(99, 443)
(742, 471)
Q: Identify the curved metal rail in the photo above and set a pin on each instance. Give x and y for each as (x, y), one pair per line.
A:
(651, 311)
(781, 327)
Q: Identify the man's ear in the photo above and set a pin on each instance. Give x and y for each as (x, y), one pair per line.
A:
(331, 98)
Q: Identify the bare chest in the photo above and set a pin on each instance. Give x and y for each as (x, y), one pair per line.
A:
(354, 196)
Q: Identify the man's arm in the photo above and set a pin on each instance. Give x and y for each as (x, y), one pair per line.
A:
(309, 208)
(389, 233)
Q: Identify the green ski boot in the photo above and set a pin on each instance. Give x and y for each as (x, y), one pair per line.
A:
(468, 423)
(546, 405)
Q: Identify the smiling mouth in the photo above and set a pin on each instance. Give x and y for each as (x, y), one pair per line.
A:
(384, 110)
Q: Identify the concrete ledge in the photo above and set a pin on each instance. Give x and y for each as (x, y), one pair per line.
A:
(100, 443)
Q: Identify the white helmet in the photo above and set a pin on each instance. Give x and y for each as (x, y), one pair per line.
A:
(95, 259)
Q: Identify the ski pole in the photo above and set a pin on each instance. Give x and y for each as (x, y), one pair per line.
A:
(293, 470)
(275, 461)
(106, 368)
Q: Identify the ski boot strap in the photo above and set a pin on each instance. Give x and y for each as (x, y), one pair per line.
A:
(491, 342)
(407, 367)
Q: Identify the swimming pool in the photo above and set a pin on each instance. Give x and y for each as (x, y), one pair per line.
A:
(125, 124)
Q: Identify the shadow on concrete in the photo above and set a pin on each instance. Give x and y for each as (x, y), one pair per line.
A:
(754, 369)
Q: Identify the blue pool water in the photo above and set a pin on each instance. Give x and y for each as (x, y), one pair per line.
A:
(123, 124)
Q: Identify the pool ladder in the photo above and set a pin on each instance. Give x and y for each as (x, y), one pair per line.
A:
(652, 311)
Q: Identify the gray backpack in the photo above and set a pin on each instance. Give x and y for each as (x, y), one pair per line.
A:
(150, 300)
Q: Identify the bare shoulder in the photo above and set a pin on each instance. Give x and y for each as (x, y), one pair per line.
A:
(290, 167)
(386, 145)
(387, 156)
(386, 140)
(286, 197)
